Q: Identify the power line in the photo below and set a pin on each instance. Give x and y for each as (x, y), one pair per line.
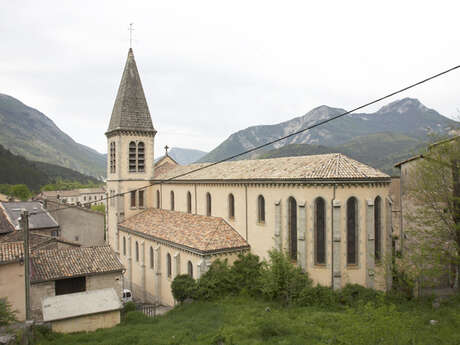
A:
(320, 123)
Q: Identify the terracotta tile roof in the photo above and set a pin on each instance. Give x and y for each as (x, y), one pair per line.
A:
(36, 240)
(201, 233)
(333, 166)
(72, 262)
(11, 252)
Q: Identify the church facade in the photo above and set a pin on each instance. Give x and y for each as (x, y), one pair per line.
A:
(329, 213)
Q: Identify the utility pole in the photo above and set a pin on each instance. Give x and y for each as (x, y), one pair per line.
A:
(25, 228)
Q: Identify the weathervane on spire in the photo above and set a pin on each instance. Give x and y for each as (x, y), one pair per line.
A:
(131, 35)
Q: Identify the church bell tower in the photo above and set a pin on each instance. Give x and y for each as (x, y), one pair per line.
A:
(130, 155)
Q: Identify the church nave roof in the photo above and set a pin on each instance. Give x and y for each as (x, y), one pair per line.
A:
(332, 166)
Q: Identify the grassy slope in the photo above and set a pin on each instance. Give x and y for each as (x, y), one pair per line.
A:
(244, 321)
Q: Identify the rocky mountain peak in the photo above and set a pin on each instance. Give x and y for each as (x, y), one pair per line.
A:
(402, 106)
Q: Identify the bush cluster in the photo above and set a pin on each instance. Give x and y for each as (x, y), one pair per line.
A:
(7, 314)
(274, 280)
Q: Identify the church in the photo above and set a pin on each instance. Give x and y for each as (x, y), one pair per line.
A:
(329, 213)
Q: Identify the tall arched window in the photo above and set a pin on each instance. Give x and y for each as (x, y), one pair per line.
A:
(189, 202)
(208, 204)
(352, 231)
(112, 157)
(190, 269)
(261, 209)
(151, 257)
(378, 227)
(124, 245)
(158, 199)
(132, 156)
(140, 157)
(320, 231)
(168, 264)
(231, 206)
(137, 251)
(292, 205)
(171, 197)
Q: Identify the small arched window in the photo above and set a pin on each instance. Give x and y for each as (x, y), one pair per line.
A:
(137, 251)
(189, 202)
(352, 231)
(112, 157)
(208, 204)
(261, 209)
(158, 199)
(140, 157)
(168, 264)
(292, 205)
(132, 156)
(124, 245)
(320, 231)
(378, 227)
(231, 206)
(151, 257)
(190, 269)
(171, 197)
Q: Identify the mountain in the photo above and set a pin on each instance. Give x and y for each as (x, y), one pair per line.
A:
(184, 156)
(380, 150)
(17, 170)
(407, 117)
(29, 133)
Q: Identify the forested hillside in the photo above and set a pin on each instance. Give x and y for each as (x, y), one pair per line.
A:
(18, 170)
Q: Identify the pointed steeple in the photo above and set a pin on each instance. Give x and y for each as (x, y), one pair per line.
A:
(130, 111)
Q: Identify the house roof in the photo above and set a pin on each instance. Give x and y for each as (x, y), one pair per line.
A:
(64, 263)
(5, 225)
(130, 111)
(36, 240)
(39, 218)
(333, 166)
(194, 232)
(80, 304)
(11, 252)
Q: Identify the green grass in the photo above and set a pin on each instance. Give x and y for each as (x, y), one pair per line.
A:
(240, 320)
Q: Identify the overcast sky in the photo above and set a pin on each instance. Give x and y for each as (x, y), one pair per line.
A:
(210, 68)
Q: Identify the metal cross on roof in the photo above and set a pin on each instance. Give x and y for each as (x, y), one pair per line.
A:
(166, 149)
(131, 34)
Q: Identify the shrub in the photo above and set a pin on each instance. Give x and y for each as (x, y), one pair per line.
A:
(246, 272)
(129, 306)
(7, 314)
(351, 294)
(319, 296)
(281, 280)
(217, 282)
(183, 287)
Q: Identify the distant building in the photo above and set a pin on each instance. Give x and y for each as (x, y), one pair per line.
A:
(329, 213)
(80, 197)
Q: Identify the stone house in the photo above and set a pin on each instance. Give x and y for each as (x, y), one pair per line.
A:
(57, 272)
(78, 224)
(12, 284)
(331, 214)
(77, 197)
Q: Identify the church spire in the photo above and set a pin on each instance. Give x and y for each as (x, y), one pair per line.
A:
(130, 112)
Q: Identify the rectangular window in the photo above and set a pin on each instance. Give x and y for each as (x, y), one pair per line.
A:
(133, 198)
(70, 285)
(141, 198)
